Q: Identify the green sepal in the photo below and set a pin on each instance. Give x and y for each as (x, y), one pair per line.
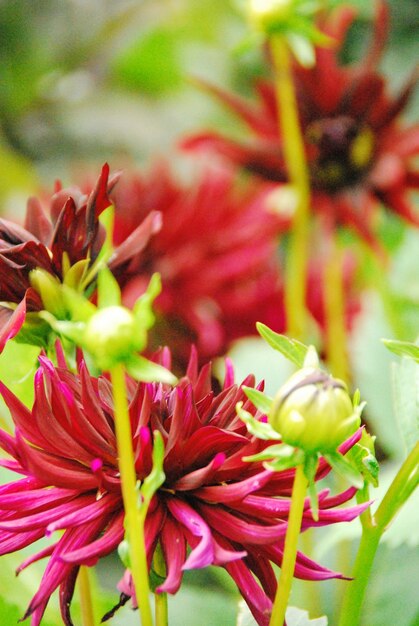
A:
(144, 370)
(277, 451)
(259, 399)
(402, 348)
(142, 308)
(292, 349)
(303, 49)
(79, 308)
(108, 291)
(286, 459)
(70, 330)
(261, 430)
(345, 469)
(311, 462)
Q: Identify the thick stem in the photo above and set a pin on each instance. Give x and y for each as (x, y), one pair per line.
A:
(86, 603)
(290, 551)
(296, 164)
(134, 522)
(400, 489)
(162, 614)
(334, 302)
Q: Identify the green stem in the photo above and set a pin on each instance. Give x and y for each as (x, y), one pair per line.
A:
(162, 614)
(400, 489)
(296, 164)
(86, 603)
(290, 551)
(133, 519)
(336, 339)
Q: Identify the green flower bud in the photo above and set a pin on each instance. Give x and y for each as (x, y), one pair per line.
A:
(112, 335)
(314, 412)
(268, 15)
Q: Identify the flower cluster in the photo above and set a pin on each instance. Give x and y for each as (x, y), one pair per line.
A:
(63, 241)
(359, 153)
(213, 507)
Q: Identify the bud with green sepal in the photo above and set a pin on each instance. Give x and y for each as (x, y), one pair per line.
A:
(110, 333)
(293, 19)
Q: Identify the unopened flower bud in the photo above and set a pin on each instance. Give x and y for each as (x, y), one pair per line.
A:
(112, 335)
(314, 412)
(268, 15)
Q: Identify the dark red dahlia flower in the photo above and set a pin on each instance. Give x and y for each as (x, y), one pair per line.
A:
(359, 153)
(56, 241)
(213, 507)
(217, 254)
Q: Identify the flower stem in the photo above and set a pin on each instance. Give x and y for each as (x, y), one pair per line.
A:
(400, 489)
(336, 340)
(133, 520)
(296, 164)
(290, 551)
(162, 614)
(86, 603)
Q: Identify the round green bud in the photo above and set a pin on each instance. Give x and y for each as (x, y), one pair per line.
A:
(313, 411)
(268, 15)
(112, 335)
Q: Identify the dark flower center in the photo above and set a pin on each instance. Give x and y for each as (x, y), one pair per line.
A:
(344, 151)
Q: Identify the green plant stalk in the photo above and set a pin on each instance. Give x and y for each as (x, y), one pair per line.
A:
(336, 338)
(296, 164)
(161, 607)
(85, 594)
(400, 489)
(299, 490)
(133, 519)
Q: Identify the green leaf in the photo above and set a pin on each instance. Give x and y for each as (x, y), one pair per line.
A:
(364, 460)
(261, 430)
(405, 379)
(403, 348)
(142, 369)
(345, 469)
(157, 476)
(292, 349)
(259, 399)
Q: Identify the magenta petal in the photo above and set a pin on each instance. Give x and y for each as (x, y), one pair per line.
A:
(235, 491)
(108, 542)
(203, 554)
(174, 550)
(13, 325)
(195, 479)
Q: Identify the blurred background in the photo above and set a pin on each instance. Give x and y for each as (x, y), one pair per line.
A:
(88, 81)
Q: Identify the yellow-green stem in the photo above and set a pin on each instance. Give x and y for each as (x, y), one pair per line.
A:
(162, 614)
(334, 290)
(400, 489)
(86, 604)
(290, 551)
(133, 520)
(296, 164)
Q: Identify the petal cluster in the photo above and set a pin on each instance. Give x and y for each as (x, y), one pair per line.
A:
(359, 153)
(216, 253)
(213, 508)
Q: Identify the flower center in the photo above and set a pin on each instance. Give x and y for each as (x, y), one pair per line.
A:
(343, 152)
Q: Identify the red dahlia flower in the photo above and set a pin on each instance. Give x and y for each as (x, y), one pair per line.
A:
(213, 507)
(359, 154)
(56, 243)
(217, 254)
